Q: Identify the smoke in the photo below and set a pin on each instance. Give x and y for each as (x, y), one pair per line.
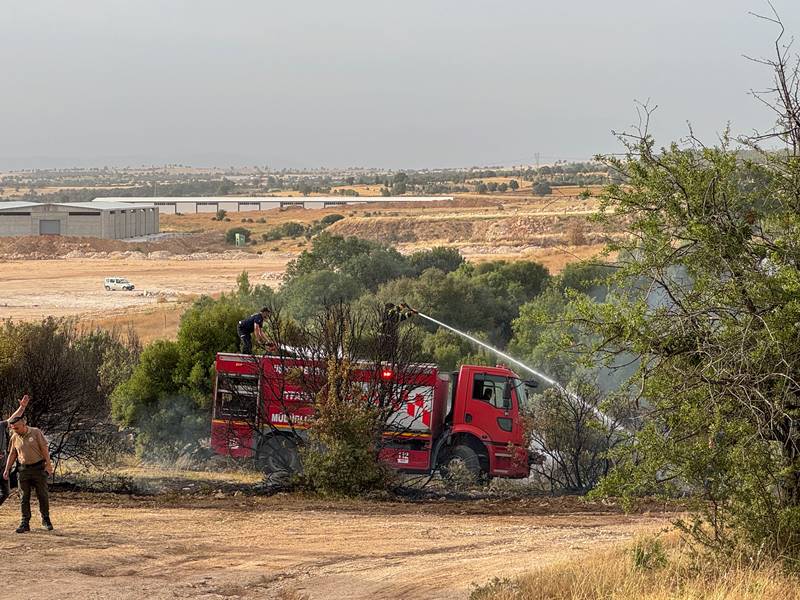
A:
(613, 377)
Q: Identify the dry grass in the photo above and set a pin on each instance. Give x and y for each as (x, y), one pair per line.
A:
(555, 259)
(182, 475)
(447, 220)
(574, 190)
(149, 325)
(149, 473)
(653, 573)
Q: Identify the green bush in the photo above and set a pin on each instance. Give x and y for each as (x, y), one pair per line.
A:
(306, 295)
(446, 349)
(369, 263)
(290, 229)
(207, 327)
(542, 188)
(331, 219)
(444, 259)
(648, 554)
(151, 378)
(341, 457)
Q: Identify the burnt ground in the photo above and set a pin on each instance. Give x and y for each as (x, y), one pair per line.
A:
(227, 544)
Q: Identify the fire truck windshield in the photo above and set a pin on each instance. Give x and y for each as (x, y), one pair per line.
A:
(521, 390)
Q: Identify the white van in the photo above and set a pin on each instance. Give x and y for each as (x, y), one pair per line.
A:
(117, 283)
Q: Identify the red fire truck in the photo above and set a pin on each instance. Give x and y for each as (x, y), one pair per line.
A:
(437, 419)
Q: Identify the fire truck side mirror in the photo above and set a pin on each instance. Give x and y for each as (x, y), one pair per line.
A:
(507, 396)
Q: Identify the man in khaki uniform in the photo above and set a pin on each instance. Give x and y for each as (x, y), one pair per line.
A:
(30, 446)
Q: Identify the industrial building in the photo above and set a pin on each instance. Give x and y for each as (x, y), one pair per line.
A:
(101, 219)
(211, 204)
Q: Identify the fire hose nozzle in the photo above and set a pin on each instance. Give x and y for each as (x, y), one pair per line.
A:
(408, 309)
(399, 312)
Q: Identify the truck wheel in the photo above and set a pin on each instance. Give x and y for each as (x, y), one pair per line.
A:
(462, 465)
(278, 454)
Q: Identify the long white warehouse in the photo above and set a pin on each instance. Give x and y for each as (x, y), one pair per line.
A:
(101, 219)
(211, 204)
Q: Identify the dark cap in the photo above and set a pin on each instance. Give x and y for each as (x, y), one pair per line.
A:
(13, 420)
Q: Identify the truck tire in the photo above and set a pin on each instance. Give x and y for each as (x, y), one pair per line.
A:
(278, 454)
(463, 462)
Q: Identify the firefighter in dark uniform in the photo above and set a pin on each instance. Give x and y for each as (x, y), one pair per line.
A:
(391, 317)
(252, 325)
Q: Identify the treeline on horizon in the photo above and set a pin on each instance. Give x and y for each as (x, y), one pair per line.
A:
(94, 183)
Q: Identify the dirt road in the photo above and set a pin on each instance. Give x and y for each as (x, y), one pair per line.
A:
(32, 289)
(277, 547)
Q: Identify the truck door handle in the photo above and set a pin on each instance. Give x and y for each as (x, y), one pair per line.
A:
(468, 418)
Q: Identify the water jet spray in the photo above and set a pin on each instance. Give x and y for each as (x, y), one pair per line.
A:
(406, 311)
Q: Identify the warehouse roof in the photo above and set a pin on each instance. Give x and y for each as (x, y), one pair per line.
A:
(104, 205)
(15, 205)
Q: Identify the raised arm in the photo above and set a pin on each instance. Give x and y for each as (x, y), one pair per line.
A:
(23, 403)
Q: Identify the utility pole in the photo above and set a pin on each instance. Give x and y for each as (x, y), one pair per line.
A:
(536, 154)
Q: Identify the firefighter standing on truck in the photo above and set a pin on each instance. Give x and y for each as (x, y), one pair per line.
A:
(252, 325)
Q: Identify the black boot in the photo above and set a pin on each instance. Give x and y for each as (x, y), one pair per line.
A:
(23, 526)
(47, 524)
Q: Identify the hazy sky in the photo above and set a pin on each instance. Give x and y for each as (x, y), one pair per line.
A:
(367, 82)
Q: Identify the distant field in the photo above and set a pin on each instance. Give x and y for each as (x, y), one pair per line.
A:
(10, 192)
(552, 230)
(32, 289)
(150, 324)
(363, 190)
